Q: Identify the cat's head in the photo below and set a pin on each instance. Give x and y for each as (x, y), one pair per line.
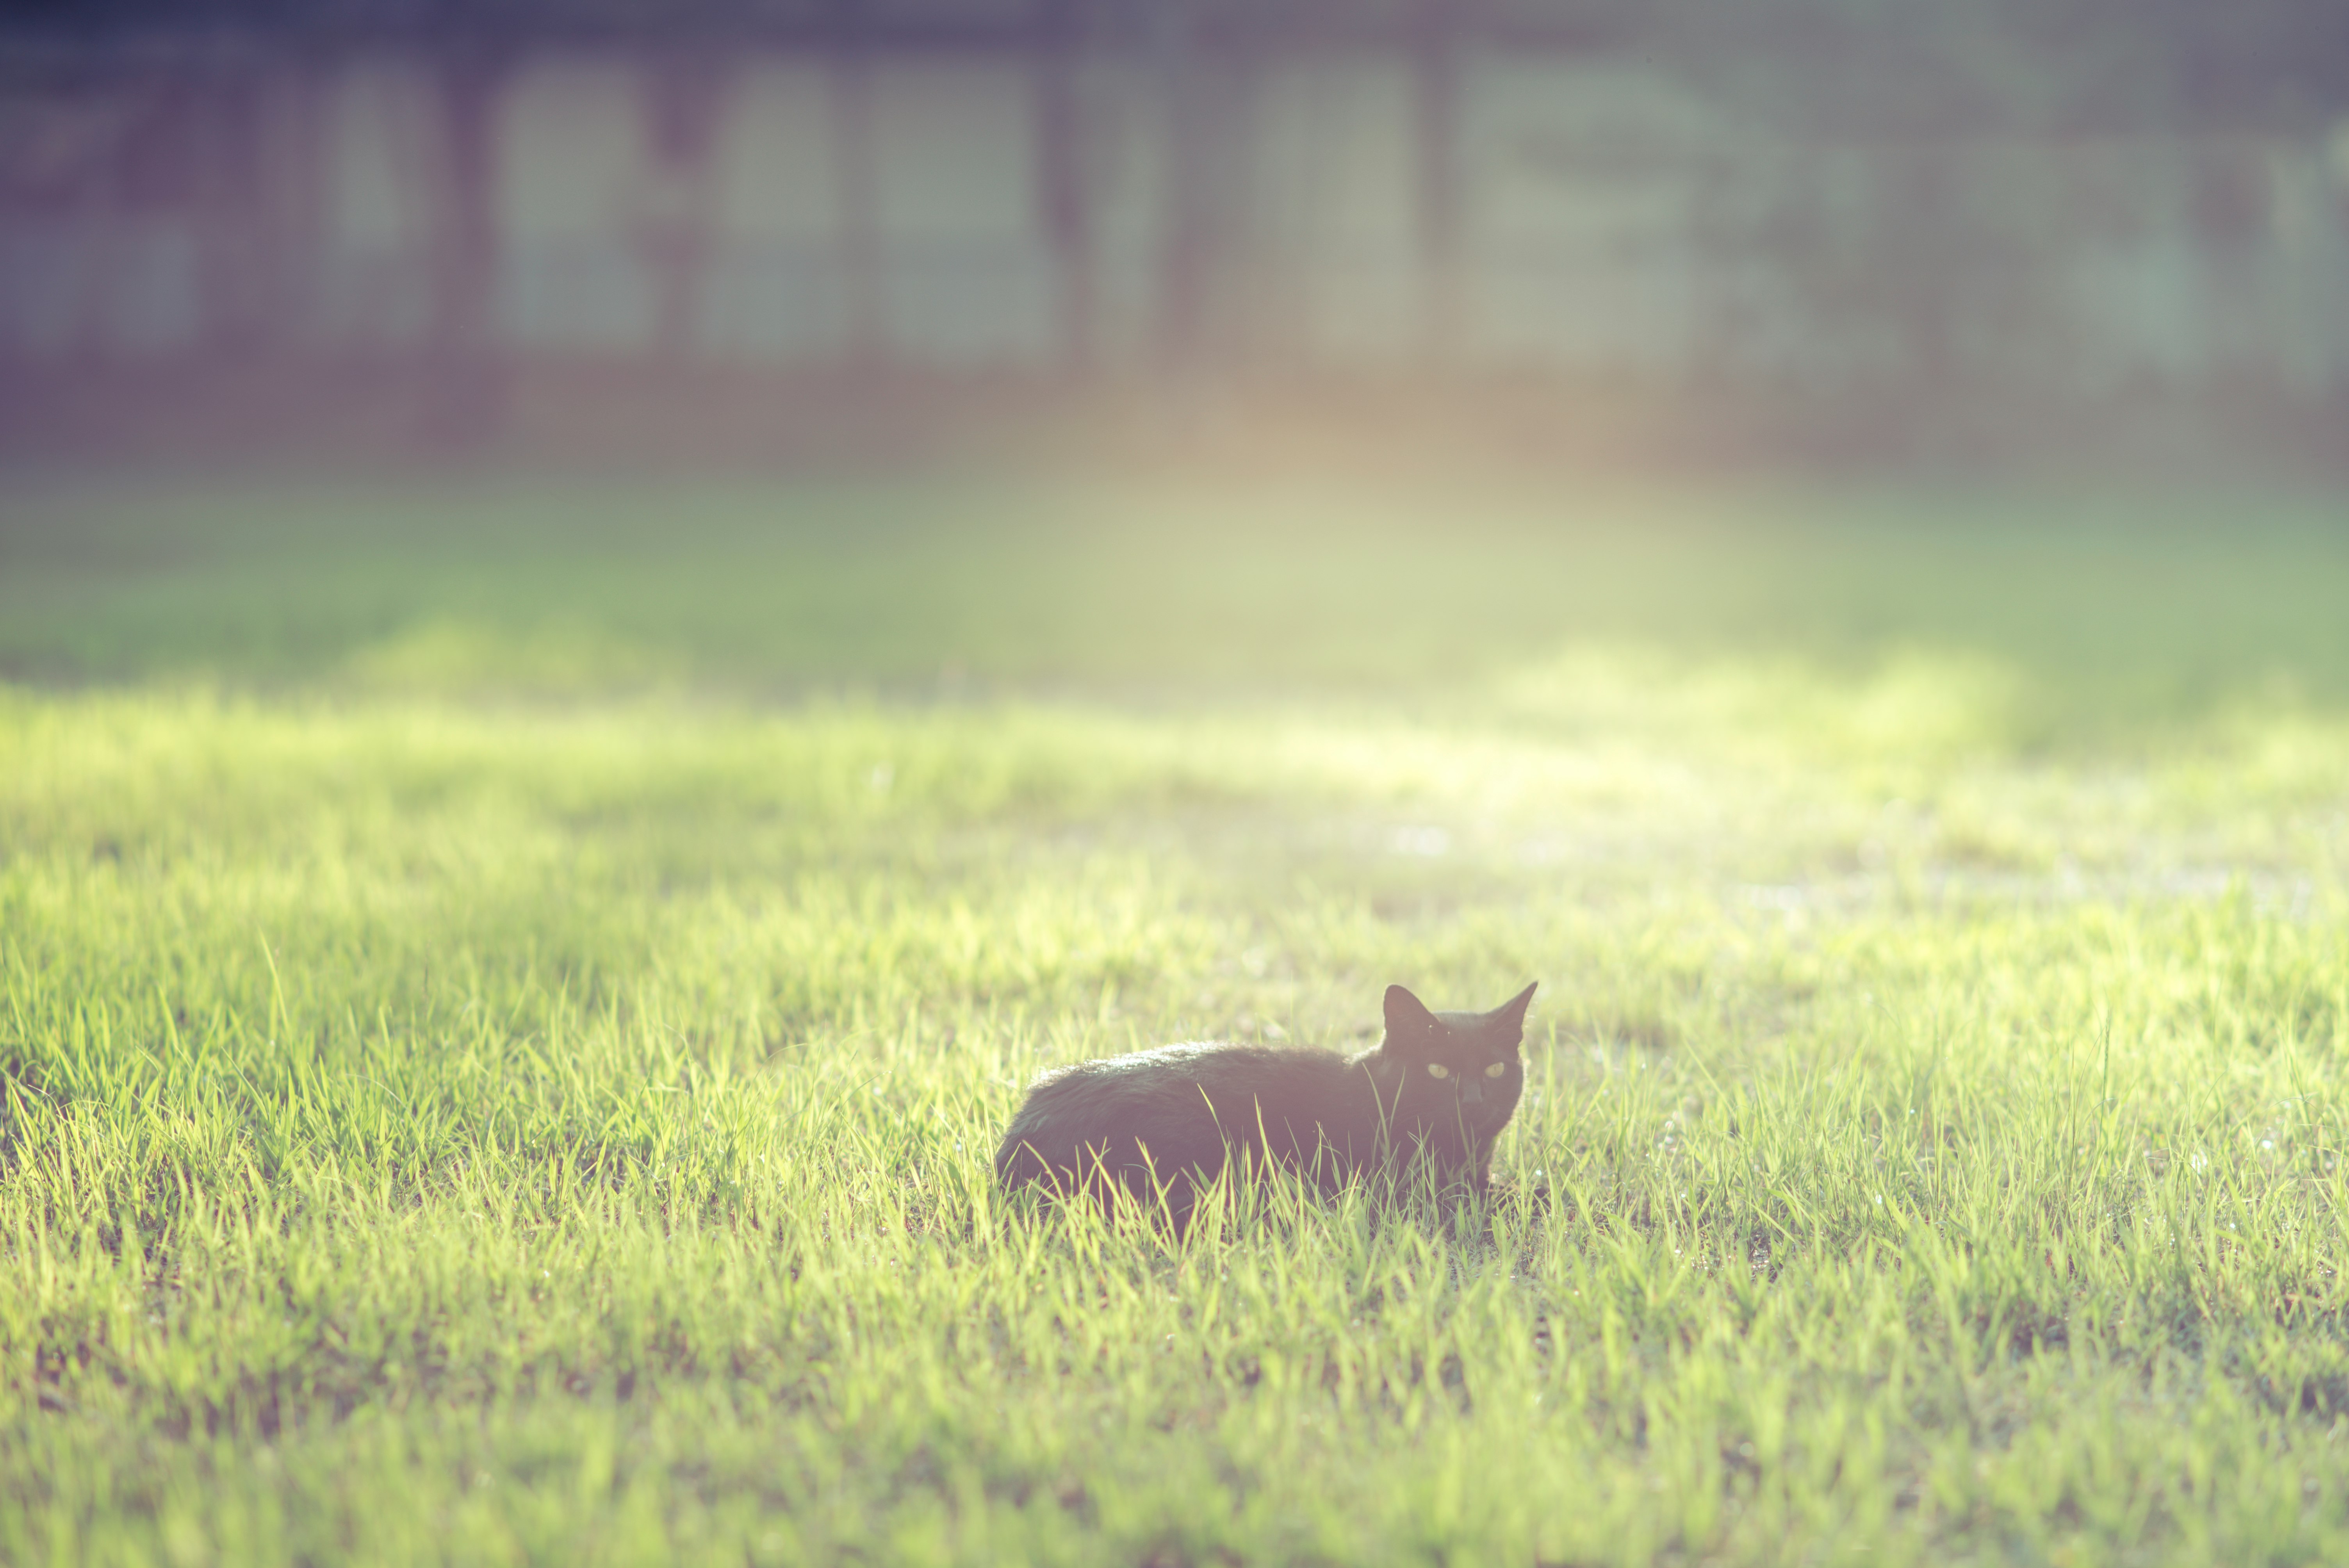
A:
(1462, 1064)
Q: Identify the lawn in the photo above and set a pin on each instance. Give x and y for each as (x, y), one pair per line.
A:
(509, 990)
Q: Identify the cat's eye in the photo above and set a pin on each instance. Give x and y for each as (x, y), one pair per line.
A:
(1437, 1070)
(1496, 1070)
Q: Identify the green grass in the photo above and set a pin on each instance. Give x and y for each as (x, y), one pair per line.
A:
(505, 1016)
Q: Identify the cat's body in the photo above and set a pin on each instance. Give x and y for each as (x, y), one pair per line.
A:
(1439, 1087)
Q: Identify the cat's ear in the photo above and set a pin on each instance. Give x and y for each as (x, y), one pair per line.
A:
(1509, 1017)
(1407, 1015)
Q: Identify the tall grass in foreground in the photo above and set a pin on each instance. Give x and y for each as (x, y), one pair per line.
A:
(443, 1133)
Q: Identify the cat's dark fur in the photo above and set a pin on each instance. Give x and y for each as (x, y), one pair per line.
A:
(1170, 1118)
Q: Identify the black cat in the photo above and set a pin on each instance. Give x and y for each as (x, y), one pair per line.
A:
(1440, 1086)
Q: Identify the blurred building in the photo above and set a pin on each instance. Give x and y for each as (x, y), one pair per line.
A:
(1790, 198)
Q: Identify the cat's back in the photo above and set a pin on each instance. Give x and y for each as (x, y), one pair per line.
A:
(1198, 1061)
(1195, 1074)
(1184, 1101)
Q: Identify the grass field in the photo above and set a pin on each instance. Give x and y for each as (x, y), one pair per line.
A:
(508, 993)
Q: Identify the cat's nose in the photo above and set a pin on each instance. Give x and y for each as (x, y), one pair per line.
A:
(1472, 1092)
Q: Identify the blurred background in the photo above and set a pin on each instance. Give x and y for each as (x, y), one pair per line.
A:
(948, 347)
(2104, 234)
